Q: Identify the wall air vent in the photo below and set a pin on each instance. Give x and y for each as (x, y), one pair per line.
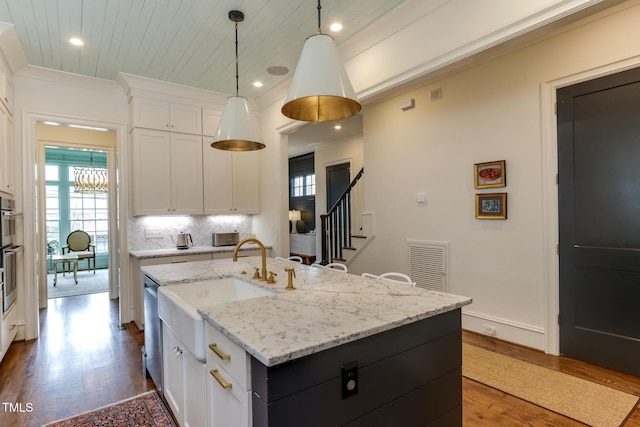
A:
(428, 264)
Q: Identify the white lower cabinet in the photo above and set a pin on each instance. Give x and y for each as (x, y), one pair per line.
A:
(228, 382)
(184, 381)
(8, 329)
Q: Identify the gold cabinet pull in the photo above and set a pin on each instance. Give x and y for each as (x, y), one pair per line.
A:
(218, 378)
(220, 354)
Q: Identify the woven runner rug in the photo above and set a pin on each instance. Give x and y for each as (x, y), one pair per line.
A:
(582, 400)
(146, 409)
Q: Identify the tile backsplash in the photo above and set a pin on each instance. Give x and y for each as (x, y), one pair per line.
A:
(201, 229)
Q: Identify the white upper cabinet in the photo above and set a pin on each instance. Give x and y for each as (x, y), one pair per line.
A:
(231, 181)
(166, 173)
(7, 167)
(210, 121)
(6, 86)
(186, 174)
(151, 172)
(7, 177)
(163, 115)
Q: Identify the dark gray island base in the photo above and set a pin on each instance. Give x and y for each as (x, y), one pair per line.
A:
(407, 376)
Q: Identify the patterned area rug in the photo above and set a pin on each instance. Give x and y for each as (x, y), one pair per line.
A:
(146, 409)
(88, 283)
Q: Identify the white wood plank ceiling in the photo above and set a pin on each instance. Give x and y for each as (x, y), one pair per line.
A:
(187, 42)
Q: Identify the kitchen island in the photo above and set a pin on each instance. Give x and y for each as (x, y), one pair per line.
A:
(340, 349)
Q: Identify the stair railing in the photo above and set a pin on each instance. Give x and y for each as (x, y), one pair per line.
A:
(337, 225)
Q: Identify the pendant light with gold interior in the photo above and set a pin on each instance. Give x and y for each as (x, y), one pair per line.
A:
(238, 130)
(320, 90)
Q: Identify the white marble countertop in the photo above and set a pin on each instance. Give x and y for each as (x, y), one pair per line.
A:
(195, 250)
(327, 309)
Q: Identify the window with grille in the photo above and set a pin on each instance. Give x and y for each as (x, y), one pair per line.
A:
(68, 210)
(303, 185)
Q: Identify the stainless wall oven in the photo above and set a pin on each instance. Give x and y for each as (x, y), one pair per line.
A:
(10, 253)
(7, 222)
(10, 288)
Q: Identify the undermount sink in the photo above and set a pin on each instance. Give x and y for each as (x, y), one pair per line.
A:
(178, 304)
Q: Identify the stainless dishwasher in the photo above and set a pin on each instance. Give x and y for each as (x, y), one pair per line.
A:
(152, 350)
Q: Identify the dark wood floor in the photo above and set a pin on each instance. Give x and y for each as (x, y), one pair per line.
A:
(85, 359)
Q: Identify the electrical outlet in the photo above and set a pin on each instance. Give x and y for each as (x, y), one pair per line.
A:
(489, 330)
(349, 379)
(153, 233)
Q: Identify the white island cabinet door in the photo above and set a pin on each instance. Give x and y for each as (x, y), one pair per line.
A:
(195, 397)
(228, 381)
(151, 172)
(173, 378)
(229, 403)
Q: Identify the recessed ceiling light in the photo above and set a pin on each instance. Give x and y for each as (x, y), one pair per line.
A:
(277, 70)
(336, 26)
(257, 84)
(76, 41)
(337, 127)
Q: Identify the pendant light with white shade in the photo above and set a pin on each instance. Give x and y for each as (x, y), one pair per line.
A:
(238, 130)
(320, 90)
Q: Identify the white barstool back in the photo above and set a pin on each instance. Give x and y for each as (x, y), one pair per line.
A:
(291, 258)
(397, 277)
(337, 266)
(392, 277)
(332, 266)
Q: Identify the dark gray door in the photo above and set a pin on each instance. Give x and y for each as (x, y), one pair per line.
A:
(599, 220)
(338, 180)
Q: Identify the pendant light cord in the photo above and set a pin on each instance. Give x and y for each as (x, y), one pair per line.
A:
(237, 77)
(319, 21)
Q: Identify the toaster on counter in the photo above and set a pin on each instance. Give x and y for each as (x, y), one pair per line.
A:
(225, 239)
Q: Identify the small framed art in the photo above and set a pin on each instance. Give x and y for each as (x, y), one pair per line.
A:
(490, 174)
(491, 206)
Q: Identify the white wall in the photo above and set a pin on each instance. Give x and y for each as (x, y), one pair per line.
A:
(490, 112)
(272, 225)
(41, 95)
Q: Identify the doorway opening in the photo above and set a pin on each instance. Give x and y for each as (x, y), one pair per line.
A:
(338, 179)
(77, 221)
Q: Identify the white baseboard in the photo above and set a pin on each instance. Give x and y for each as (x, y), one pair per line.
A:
(21, 333)
(507, 330)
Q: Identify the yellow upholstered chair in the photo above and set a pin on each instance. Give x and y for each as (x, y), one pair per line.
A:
(79, 243)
